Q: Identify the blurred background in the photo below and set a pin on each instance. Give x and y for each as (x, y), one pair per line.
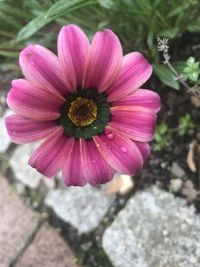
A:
(151, 219)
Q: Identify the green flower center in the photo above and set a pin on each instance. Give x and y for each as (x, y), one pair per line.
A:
(84, 114)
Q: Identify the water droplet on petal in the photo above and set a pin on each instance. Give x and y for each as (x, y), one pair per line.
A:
(97, 145)
(93, 161)
(110, 135)
(123, 149)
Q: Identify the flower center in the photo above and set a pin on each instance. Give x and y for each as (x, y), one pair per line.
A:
(85, 113)
(82, 112)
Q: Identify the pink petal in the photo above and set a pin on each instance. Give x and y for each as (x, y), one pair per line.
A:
(144, 149)
(73, 169)
(120, 152)
(22, 130)
(96, 169)
(134, 72)
(41, 67)
(47, 159)
(136, 123)
(104, 61)
(32, 102)
(143, 98)
(73, 48)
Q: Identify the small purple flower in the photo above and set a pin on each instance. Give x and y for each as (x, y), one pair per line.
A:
(88, 106)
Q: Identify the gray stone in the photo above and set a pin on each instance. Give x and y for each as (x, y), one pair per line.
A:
(22, 170)
(176, 185)
(82, 207)
(154, 229)
(177, 171)
(4, 138)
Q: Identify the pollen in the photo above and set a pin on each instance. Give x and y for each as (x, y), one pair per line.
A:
(82, 112)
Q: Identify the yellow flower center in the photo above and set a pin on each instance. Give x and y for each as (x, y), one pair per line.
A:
(82, 112)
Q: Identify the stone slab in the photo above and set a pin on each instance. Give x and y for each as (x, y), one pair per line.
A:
(4, 138)
(177, 171)
(82, 207)
(47, 249)
(154, 229)
(22, 170)
(17, 224)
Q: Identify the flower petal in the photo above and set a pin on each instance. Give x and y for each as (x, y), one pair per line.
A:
(134, 72)
(120, 152)
(104, 61)
(73, 48)
(136, 123)
(96, 169)
(47, 159)
(41, 67)
(32, 102)
(143, 98)
(22, 130)
(73, 169)
(144, 149)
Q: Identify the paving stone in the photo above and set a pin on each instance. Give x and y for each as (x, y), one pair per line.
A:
(17, 224)
(82, 207)
(22, 170)
(154, 229)
(177, 171)
(47, 249)
(4, 138)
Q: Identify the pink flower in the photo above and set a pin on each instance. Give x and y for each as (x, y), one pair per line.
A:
(87, 106)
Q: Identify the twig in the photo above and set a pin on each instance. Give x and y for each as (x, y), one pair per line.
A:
(164, 47)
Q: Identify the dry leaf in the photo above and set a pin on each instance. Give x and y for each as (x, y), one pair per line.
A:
(121, 184)
(195, 101)
(189, 191)
(190, 157)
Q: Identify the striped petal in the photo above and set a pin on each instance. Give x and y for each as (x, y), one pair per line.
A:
(104, 61)
(134, 72)
(41, 67)
(144, 149)
(121, 153)
(73, 169)
(96, 169)
(73, 48)
(47, 159)
(141, 98)
(135, 122)
(22, 130)
(32, 102)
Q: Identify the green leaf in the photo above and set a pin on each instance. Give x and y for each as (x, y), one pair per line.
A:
(194, 26)
(16, 12)
(8, 67)
(32, 27)
(9, 20)
(172, 33)
(156, 3)
(150, 39)
(166, 76)
(108, 4)
(63, 7)
(9, 54)
(177, 11)
(179, 66)
(195, 66)
(190, 61)
(193, 76)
